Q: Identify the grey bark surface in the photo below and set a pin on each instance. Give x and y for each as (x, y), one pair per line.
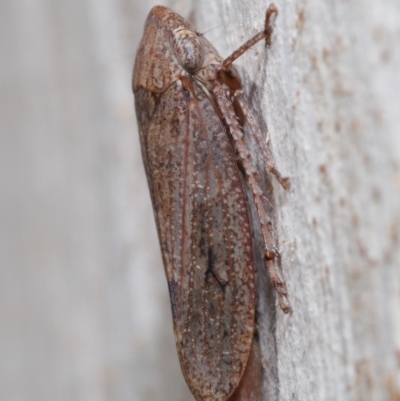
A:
(84, 309)
(328, 91)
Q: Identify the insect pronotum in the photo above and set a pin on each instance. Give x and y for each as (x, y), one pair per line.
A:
(186, 99)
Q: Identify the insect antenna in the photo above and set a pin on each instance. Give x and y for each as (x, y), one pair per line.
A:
(203, 33)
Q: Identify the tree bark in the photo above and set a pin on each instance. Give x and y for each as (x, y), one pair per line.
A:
(327, 90)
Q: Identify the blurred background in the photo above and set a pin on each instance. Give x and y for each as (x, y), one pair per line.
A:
(84, 310)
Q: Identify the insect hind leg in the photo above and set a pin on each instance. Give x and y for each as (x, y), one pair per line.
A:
(221, 93)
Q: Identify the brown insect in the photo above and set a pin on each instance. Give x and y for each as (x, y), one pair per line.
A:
(186, 96)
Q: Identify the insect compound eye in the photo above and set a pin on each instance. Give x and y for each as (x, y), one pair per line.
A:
(188, 49)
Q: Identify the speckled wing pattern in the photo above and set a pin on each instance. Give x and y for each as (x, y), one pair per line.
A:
(205, 235)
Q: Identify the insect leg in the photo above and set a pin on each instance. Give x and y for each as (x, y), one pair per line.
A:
(221, 93)
(270, 16)
(267, 156)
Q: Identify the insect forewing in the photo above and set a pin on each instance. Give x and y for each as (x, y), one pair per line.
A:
(200, 210)
(205, 235)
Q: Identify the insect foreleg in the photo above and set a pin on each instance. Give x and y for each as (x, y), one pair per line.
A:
(270, 16)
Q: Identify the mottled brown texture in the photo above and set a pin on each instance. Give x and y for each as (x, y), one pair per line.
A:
(221, 93)
(187, 125)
